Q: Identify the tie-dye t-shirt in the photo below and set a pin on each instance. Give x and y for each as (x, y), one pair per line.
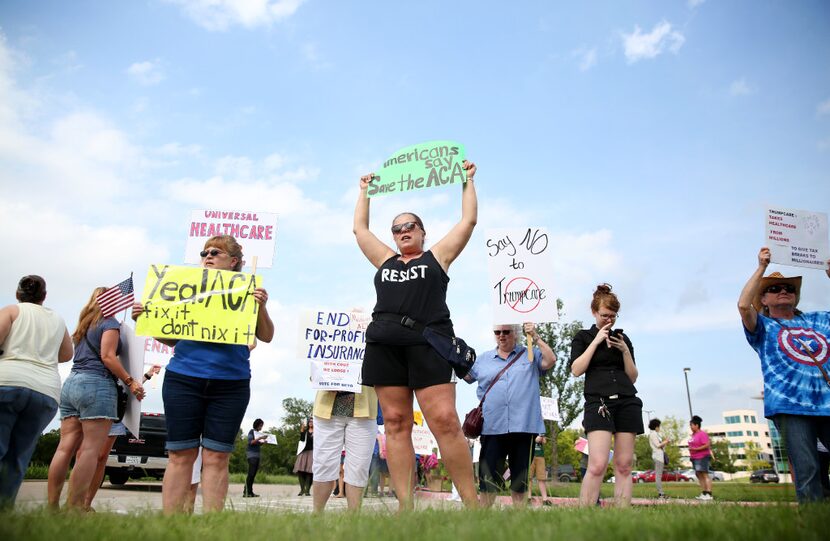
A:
(792, 382)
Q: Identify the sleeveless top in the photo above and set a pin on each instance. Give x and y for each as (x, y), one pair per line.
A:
(417, 289)
(29, 356)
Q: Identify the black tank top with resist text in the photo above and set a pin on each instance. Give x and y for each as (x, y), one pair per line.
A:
(417, 289)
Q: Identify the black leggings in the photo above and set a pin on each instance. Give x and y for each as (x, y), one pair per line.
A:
(305, 482)
(253, 466)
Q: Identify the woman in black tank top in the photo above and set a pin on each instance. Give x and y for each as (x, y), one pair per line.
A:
(413, 282)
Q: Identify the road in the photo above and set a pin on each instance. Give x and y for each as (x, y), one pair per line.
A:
(135, 497)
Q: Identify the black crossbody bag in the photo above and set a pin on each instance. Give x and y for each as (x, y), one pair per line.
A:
(451, 348)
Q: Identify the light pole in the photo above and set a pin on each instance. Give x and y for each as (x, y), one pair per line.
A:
(688, 396)
(648, 412)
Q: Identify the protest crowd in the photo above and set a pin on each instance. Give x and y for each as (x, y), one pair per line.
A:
(411, 352)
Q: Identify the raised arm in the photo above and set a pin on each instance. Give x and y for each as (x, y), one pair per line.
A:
(375, 251)
(548, 355)
(109, 345)
(264, 325)
(749, 315)
(580, 364)
(448, 248)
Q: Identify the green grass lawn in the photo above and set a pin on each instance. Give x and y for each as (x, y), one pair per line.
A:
(722, 490)
(662, 523)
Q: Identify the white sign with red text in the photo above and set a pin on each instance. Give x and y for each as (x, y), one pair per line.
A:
(254, 231)
(798, 238)
(520, 269)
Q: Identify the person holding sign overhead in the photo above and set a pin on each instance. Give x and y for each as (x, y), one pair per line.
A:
(793, 348)
(411, 286)
(606, 357)
(206, 391)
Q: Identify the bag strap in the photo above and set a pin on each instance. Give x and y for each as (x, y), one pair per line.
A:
(807, 350)
(503, 370)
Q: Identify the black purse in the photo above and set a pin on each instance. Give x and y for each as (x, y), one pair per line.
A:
(451, 348)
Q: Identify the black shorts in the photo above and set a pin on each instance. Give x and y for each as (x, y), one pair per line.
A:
(414, 366)
(624, 414)
(515, 447)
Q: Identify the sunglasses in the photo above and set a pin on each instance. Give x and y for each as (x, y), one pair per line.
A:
(213, 252)
(405, 227)
(504, 332)
(776, 288)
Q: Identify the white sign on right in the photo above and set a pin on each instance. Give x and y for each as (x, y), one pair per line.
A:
(798, 238)
(550, 408)
(520, 269)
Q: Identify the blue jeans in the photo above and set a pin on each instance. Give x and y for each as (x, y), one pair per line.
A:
(24, 414)
(206, 412)
(800, 433)
(89, 395)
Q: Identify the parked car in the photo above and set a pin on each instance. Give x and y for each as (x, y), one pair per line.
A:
(566, 473)
(763, 476)
(143, 456)
(714, 475)
(649, 476)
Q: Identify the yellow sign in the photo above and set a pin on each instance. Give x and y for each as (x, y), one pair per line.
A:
(205, 305)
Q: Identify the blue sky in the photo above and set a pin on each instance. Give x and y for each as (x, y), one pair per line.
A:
(648, 137)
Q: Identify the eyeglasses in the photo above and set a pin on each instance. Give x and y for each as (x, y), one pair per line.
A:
(608, 316)
(213, 252)
(405, 227)
(505, 332)
(776, 288)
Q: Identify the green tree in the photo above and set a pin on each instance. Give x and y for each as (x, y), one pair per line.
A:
(722, 459)
(558, 381)
(754, 457)
(565, 448)
(642, 454)
(676, 431)
(46, 446)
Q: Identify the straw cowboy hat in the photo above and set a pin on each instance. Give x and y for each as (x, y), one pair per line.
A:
(776, 278)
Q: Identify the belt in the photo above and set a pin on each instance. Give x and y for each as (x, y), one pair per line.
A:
(405, 321)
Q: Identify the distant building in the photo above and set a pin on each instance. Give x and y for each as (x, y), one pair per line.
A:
(740, 427)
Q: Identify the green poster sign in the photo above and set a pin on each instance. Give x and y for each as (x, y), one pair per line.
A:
(428, 165)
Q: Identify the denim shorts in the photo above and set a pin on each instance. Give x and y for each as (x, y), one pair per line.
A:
(89, 395)
(206, 412)
(701, 464)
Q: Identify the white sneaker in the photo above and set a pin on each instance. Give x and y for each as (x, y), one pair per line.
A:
(703, 497)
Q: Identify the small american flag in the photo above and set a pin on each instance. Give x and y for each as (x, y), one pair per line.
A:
(116, 298)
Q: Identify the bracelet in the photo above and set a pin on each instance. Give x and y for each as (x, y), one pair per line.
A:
(129, 381)
(148, 376)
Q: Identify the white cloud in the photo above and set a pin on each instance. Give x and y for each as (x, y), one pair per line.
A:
(147, 73)
(639, 46)
(740, 87)
(177, 149)
(219, 15)
(823, 108)
(586, 58)
(694, 3)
